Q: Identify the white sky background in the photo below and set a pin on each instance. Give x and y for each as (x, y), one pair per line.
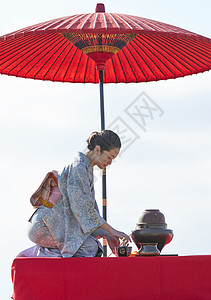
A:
(42, 124)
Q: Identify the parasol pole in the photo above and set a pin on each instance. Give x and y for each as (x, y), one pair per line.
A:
(104, 197)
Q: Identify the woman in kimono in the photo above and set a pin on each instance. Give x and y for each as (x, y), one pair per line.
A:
(72, 226)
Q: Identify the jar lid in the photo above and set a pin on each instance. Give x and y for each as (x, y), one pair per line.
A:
(152, 217)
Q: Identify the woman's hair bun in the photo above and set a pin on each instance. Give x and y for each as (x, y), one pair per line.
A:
(91, 141)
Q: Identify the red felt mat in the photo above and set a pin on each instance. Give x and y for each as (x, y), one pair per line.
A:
(135, 278)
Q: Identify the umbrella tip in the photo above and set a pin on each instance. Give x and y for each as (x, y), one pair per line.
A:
(100, 8)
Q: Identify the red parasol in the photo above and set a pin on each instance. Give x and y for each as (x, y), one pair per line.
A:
(103, 47)
(140, 49)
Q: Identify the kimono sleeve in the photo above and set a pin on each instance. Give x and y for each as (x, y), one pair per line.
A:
(82, 202)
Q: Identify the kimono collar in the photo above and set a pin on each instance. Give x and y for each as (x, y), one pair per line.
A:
(83, 158)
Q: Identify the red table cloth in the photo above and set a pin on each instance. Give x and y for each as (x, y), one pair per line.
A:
(135, 278)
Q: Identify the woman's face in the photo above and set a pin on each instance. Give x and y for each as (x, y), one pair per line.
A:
(105, 158)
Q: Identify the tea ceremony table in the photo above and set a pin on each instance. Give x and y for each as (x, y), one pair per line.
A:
(112, 278)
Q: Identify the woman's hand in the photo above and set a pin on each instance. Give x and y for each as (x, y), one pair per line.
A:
(113, 242)
(117, 234)
(122, 236)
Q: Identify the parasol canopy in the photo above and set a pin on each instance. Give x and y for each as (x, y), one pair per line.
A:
(127, 48)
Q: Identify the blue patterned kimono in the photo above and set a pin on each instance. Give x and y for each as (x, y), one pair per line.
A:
(75, 216)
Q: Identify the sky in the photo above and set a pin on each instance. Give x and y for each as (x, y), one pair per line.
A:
(165, 162)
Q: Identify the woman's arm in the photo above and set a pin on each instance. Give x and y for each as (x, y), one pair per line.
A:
(81, 199)
(117, 234)
(105, 230)
(112, 241)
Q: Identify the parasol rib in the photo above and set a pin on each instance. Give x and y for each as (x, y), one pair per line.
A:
(123, 71)
(68, 67)
(105, 21)
(124, 21)
(110, 15)
(175, 55)
(161, 59)
(63, 46)
(77, 67)
(145, 61)
(82, 26)
(64, 58)
(123, 52)
(135, 60)
(57, 58)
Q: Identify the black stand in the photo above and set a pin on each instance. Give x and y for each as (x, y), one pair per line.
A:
(104, 197)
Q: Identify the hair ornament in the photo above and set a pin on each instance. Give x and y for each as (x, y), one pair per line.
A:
(91, 136)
